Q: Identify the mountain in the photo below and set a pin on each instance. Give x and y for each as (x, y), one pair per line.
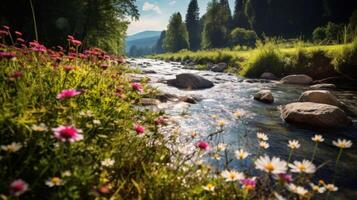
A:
(142, 39)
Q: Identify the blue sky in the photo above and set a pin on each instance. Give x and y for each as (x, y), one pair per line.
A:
(155, 14)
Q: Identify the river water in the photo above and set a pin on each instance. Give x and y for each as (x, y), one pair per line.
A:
(232, 93)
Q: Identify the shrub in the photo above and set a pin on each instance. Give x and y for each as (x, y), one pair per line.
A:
(345, 62)
(244, 37)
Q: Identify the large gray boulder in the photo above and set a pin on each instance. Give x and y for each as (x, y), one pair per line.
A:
(315, 115)
(220, 67)
(320, 96)
(264, 96)
(190, 81)
(268, 75)
(297, 79)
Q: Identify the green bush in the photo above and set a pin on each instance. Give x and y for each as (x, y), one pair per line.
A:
(345, 62)
(243, 37)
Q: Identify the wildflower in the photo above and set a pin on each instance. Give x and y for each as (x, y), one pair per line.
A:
(65, 94)
(7, 55)
(87, 113)
(221, 147)
(297, 189)
(262, 136)
(18, 187)
(55, 181)
(11, 148)
(202, 145)
(136, 86)
(67, 134)
(303, 167)
(278, 196)
(104, 66)
(18, 33)
(264, 145)
(216, 156)
(68, 68)
(274, 165)
(108, 162)
(221, 123)
(238, 114)
(39, 128)
(104, 189)
(96, 122)
(317, 138)
(331, 187)
(76, 42)
(343, 144)
(16, 74)
(248, 183)
(241, 154)
(6, 28)
(139, 129)
(232, 175)
(67, 173)
(284, 178)
(70, 37)
(317, 188)
(159, 121)
(20, 40)
(294, 144)
(209, 187)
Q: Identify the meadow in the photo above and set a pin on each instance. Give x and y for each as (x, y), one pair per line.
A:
(72, 127)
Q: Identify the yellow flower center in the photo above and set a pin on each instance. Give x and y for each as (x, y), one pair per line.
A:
(302, 168)
(232, 176)
(56, 180)
(269, 167)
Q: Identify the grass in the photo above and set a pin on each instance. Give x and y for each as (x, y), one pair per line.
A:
(318, 61)
(119, 150)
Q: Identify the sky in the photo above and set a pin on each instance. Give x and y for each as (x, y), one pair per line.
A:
(155, 14)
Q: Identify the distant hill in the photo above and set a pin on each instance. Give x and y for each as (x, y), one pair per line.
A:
(142, 39)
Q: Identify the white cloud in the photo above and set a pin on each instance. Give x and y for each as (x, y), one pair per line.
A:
(151, 7)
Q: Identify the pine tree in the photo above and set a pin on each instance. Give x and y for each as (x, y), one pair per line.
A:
(227, 12)
(193, 25)
(240, 18)
(176, 35)
(158, 48)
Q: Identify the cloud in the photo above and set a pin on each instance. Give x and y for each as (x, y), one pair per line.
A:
(151, 7)
(153, 23)
(172, 2)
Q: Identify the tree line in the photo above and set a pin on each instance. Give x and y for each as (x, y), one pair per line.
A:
(101, 23)
(322, 20)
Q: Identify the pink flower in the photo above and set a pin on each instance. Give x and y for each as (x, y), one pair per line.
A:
(7, 55)
(18, 33)
(70, 37)
(16, 74)
(284, 178)
(76, 42)
(67, 134)
(249, 183)
(68, 68)
(3, 33)
(6, 28)
(20, 40)
(65, 94)
(136, 86)
(18, 187)
(202, 145)
(139, 129)
(159, 121)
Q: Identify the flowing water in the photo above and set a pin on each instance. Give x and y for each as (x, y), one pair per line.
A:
(232, 93)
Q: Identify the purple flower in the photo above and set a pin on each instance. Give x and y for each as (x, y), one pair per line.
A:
(67, 134)
(65, 94)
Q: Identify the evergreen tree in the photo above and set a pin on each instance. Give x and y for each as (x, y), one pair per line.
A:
(158, 48)
(193, 25)
(227, 12)
(215, 31)
(176, 35)
(240, 18)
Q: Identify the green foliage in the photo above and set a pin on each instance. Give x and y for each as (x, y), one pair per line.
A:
(240, 36)
(176, 37)
(240, 18)
(193, 25)
(319, 35)
(158, 48)
(345, 61)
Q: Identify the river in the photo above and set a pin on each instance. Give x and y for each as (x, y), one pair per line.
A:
(232, 93)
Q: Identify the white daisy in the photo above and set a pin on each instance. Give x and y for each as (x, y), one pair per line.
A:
(96, 122)
(331, 187)
(297, 189)
(317, 138)
(232, 175)
(317, 188)
(264, 145)
(108, 162)
(221, 147)
(209, 187)
(278, 196)
(274, 165)
(303, 167)
(55, 181)
(262, 136)
(343, 144)
(11, 148)
(39, 128)
(294, 144)
(241, 154)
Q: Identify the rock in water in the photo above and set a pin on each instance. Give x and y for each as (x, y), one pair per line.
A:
(315, 115)
(297, 79)
(190, 81)
(264, 96)
(320, 96)
(220, 67)
(323, 86)
(268, 75)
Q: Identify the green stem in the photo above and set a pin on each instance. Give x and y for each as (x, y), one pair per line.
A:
(290, 154)
(337, 161)
(34, 19)
(315, 150)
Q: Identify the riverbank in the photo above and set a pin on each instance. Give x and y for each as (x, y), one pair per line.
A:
(319, 62)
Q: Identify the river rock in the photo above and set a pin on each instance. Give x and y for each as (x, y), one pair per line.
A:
(268, 75)
(320, 96)
(220, 67)
(149, 102)
(264, 96)
(297, 79)
(323, 86)
(315, 115)
(165, 97)
(188, 99)
(190, 81)
(148, 71)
